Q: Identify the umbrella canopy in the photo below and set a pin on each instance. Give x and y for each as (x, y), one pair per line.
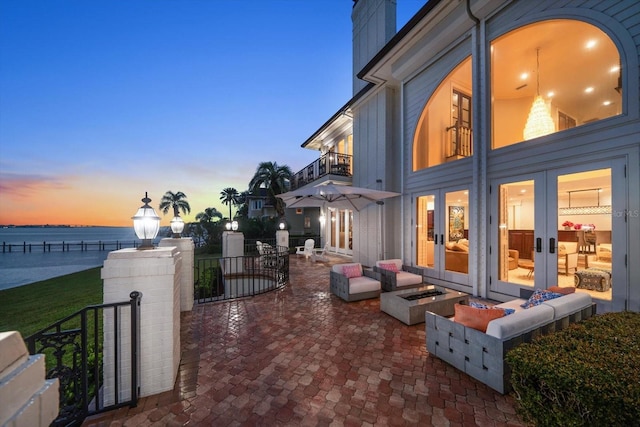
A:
(339, 196)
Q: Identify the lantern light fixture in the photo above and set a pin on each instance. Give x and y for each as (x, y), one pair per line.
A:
(146, 224)
(234, 225)
(177, 226)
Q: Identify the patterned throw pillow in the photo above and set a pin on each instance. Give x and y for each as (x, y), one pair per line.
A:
(539, 296)
(351, 271)
(507, 311)
(391, 266)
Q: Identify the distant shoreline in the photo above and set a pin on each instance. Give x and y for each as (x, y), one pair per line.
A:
(57, 226)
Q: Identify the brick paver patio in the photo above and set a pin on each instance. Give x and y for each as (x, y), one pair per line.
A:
(303, 357)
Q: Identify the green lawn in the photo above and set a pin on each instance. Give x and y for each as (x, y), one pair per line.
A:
(29, 308)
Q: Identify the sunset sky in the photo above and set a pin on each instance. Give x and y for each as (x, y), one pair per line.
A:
(103, 100)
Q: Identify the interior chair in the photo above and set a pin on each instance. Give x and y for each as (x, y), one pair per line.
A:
(567, 257)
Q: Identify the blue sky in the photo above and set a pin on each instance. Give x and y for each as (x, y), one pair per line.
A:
(101, 101)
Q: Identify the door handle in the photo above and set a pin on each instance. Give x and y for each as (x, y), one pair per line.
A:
(552, 245)
(538, 244)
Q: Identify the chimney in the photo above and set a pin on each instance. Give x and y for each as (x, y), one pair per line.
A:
(374, 24)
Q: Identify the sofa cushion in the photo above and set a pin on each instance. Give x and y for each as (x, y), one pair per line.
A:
(515, 304)
(539, 296)
(569, 304)
(363, 284)
(564, 290)
(476, 318)
(352, 271)
(388, 265)
(404, 278)
(520, 322)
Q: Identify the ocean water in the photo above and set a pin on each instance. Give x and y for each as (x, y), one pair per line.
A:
(18, 268)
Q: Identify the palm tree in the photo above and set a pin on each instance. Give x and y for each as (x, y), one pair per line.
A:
(208, 215)
(230, 196)
(275, 179)
(177, 201)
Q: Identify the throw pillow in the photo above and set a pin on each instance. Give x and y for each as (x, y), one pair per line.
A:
(460, 247)
(476, 318)
(538, 297)
(507, 311)
(351, 271)
(562, 250)
(562, 290)
(391, 266)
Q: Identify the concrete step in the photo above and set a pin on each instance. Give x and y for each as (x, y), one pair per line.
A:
(40, 410)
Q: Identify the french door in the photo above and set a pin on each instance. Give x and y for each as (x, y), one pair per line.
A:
(548, 227)
(442, 234)
(340, 231)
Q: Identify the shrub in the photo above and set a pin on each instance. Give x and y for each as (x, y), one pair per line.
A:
(585, 375)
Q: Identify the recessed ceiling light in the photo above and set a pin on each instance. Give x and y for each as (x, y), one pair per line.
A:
(551, 94)
(589, 89)
(614, 69)
(523, 191)
(524, 76)
(605, 103)
(590, 44)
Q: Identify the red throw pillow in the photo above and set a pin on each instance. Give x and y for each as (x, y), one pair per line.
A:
(476, 318)
(351, 271)
(562, 290)
(391, 266)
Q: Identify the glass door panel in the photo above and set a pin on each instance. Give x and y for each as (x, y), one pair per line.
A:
(515, 242)
(425, 231)
(456, 257)
(442, 231)
(584, 228)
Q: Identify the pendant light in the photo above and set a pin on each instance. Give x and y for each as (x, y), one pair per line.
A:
(539, 122)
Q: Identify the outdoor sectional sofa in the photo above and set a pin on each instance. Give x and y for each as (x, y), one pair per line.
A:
(482, 355)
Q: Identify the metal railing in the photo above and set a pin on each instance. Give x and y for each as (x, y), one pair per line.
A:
(81, 246)
(327, 164)
(219, 279)
(73, 349)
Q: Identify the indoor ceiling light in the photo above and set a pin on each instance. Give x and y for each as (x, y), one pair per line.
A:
(539, 122)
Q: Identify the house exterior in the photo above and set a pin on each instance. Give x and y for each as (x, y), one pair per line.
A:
(512, 131)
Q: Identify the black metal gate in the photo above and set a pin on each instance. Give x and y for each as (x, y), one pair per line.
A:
(73, 349)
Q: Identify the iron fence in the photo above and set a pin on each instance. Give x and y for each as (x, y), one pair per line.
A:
(219, 279)
(73, 349)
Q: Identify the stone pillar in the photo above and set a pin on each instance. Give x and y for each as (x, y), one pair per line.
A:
(282, 238)
(186, 248)
(156, 273)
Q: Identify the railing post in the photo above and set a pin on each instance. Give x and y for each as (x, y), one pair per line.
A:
(135, 344)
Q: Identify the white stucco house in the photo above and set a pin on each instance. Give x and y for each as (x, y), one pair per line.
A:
(511, 130)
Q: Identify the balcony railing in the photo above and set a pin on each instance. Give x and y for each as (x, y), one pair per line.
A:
(328, 164)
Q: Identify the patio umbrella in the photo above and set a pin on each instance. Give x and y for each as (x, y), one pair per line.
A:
(339, 196)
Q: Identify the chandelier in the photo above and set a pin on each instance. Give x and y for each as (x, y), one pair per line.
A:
(539, 122)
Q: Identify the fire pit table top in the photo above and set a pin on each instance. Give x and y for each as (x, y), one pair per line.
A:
(409, 305)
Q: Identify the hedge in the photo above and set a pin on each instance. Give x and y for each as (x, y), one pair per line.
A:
(585, 375)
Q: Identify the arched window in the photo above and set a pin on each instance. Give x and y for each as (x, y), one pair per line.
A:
(551, 76)
(444, 130)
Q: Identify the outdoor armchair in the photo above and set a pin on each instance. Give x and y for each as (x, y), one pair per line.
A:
(395, 275)
(353, 283)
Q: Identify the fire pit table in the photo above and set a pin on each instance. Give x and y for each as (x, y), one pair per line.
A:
(409, 305)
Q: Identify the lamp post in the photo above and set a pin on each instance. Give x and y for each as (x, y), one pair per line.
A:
(146, 224)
